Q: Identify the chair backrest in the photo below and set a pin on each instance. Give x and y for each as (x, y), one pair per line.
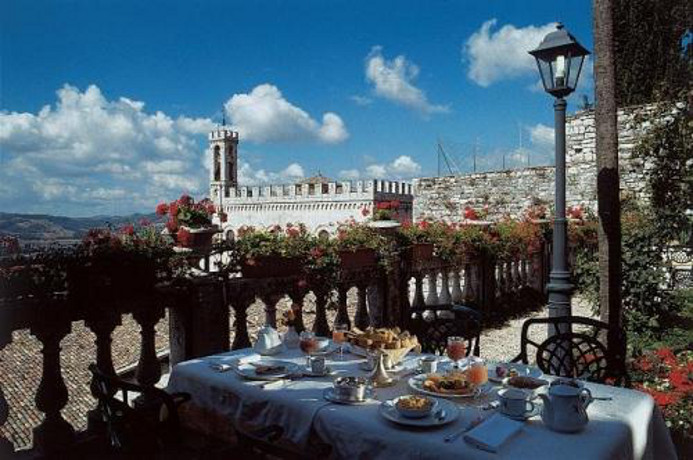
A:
(129, 429)
(576, 350)
(434, 324)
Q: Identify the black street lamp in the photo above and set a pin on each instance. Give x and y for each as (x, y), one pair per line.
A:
(559, 58)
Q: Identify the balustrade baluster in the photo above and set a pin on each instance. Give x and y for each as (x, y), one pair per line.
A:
(240, 321)
(468, 287)
(523, 272)
(320, 326)
(509, 281)
(270, 301)
(362, 320)
(432, 295)
(342, 311)
(517, 282)
(445, 298)
(500, 281)
(6, 448)
(456, 293)
(102, 323)
(419, 301)
(148, 370)
(54, 434)
(297, 295)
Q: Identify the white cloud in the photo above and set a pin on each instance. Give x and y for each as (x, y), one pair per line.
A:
(402, 167)
(541, 135)
(81, 155)
(249, 176)
(405, 166)
(264, 115)
(350, 174)
(361, 100)
(394, 80)
(376, 171)
(502, 54)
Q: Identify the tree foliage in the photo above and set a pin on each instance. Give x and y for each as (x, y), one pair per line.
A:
(653, 49)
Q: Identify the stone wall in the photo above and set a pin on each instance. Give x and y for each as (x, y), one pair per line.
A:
(512, 191)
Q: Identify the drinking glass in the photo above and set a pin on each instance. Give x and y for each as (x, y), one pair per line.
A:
(456, 350)
(339, 337)
(308, 344)
(478, 371)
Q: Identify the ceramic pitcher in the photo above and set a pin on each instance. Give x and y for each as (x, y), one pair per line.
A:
(565, 407)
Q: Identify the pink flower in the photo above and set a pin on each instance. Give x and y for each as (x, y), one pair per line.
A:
(185, 200)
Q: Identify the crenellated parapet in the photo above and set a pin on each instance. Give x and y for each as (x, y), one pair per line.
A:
(333, 191)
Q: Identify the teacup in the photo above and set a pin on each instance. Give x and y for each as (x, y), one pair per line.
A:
(514, 403)
(317, 365)
(429, 364)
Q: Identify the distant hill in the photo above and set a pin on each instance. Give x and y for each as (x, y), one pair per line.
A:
(44, 227)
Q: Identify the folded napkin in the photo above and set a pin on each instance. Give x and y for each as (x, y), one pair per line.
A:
(492, 433)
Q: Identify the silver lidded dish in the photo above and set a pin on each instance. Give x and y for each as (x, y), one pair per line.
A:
(350, 388)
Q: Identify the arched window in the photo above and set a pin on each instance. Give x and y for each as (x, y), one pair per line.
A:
(217, 163)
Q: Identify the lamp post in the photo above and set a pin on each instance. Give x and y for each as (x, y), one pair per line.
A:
(559, 58)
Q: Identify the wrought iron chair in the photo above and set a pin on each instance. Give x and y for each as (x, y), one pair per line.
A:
(572, 353)
(149, 427)
(432, 325)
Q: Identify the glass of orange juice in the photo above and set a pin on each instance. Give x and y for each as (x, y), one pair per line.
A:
(456, 350)
(339, 337)
(478, 371)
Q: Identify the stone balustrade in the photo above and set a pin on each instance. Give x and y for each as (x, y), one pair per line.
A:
(200, 312)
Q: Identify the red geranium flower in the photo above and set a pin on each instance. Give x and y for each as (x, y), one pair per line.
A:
(223, 217)
(664, 398)
(185, 200)
(161, 209)
(667, 356)
(171, 226)
(470, 213)
(679, 379)
(127, 229)
(365, 211)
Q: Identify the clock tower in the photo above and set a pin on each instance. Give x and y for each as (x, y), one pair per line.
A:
(223, 154)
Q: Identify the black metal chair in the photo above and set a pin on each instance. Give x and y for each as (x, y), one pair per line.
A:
(576, 350)
(432, 325)
(147, 428)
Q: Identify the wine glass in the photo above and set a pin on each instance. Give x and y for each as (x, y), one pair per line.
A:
(456, 350)
(308, 344)
(339, 337)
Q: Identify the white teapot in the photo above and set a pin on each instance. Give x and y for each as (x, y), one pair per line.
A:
(565, 406)
(268, 341)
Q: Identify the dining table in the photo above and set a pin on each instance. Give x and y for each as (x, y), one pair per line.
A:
(623, 423)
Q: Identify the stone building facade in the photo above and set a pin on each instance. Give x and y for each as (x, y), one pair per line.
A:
(319, 204)
(512, 191)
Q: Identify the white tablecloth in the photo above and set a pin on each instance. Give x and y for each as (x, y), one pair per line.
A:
(629, 426)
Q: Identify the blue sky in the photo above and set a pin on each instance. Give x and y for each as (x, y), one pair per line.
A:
(104, 105)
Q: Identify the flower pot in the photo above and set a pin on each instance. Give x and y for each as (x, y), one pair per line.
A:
(422, 251)
(196, 238)
(360, 258)
(271, 267)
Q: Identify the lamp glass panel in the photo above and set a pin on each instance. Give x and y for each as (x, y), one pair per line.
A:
(546, 74)
(576, 63)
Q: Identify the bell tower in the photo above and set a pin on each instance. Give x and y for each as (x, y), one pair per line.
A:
(223, 154)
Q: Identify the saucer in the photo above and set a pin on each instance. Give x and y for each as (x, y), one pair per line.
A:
(525, 417)
(390, 412)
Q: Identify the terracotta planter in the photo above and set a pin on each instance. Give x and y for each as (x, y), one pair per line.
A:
(271, 267)
(422, 251)
(353, 260)
(196, 238)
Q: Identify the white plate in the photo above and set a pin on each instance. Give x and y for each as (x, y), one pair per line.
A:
(247, 370)
(389, 411)
(329, 395)
(522, 369)
(417, 381)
